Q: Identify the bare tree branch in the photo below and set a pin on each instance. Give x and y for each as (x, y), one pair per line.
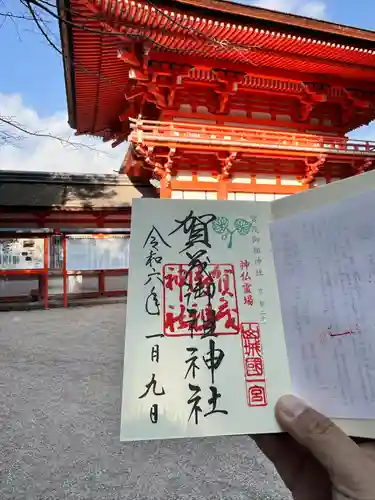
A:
(13, 132)
(10, 15)
(6, 137)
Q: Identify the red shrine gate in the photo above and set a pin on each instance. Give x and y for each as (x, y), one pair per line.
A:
(220, 100)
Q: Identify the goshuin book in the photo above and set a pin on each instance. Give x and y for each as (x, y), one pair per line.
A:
(233, 304)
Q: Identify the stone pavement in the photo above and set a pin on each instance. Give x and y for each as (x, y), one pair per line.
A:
(60, 382)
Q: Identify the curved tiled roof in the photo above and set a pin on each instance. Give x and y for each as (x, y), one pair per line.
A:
(233, 36)
(69, 192)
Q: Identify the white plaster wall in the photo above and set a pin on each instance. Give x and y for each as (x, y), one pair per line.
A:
(113, 283)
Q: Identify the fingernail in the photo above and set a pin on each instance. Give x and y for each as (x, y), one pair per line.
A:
(290, 407)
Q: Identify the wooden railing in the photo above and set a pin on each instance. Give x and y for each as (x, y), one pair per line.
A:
(156, 132)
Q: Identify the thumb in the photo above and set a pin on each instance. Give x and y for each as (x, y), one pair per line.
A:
(349, 468)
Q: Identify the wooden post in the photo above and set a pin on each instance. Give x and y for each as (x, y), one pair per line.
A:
(165, 190)
(46, 271)
(101, 282)
(222, 192)
(65, 291)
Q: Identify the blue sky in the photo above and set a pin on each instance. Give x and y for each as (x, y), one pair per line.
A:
(33, 71)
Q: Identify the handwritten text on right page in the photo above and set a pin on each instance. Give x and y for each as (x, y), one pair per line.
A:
(325, 264)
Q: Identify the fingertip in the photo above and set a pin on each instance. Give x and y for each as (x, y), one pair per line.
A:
(336, 452)
(288, 408)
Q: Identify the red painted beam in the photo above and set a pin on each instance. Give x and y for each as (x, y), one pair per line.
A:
(261, 71)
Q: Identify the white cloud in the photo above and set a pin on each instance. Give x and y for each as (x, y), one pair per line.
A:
(309, 8)
(49, 155)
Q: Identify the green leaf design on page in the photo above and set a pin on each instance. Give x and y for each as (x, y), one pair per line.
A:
(221, 226)
(242, 226)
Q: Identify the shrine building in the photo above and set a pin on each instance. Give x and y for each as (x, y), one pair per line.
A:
(219, 100)
(40, 213)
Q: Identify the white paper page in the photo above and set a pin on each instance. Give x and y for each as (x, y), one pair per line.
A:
(325, 261)
(180, 380)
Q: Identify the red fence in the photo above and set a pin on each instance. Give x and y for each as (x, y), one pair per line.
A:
(51, 265)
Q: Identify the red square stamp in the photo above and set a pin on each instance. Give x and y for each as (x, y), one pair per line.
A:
(254, 368)
(253, 364)
(199, 301)
(256, 393)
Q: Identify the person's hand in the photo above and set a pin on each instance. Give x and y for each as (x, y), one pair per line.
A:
(315, 459)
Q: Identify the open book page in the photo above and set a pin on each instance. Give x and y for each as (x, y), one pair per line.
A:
(204, 347)
(324, 248)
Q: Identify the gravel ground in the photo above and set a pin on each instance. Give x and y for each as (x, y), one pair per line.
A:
(60, 378)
